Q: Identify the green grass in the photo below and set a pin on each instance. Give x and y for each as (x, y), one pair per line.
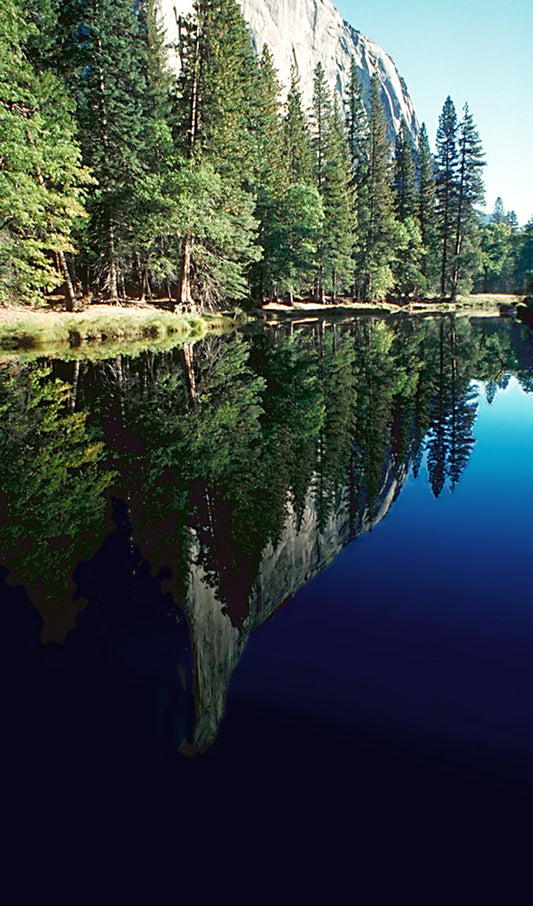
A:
(99, 334)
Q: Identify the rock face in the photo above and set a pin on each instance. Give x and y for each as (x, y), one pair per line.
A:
(305, 32)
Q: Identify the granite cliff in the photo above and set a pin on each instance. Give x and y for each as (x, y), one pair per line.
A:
(305, 32)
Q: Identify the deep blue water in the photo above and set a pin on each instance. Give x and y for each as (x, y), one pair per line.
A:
(422, 630)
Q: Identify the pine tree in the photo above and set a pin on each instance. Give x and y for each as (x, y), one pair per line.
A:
(378, 228)
(296, 136)
(427, 209)
(338, 200)
(102, 56)
(498, 214)
(356, 120)
(333, 179)
(357, 127)
(404, 175)
(294, 226)
(155, 248)
(216, 126)
(41, 179)
(270, 171)
(523, 273)
(322, 111)
(407, 263)
(470, 191)
(447, 190)
(292, 235)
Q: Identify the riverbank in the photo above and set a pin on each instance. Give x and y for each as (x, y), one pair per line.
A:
(487, 303)
(102, 329)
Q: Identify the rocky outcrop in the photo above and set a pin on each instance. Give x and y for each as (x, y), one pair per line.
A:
(305, 32)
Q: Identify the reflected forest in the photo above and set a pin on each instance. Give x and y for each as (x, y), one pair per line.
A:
(198, 489)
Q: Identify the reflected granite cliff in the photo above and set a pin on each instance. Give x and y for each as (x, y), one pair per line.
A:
(156, 510)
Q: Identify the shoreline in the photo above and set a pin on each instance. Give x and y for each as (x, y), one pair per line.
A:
(102, 328)
(482, 302)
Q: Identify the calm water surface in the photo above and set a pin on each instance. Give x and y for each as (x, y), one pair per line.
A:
(283, 574)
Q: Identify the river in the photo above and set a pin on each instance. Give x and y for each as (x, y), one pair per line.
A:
(282, 574)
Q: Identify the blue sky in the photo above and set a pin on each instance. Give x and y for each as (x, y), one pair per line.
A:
(477, 51)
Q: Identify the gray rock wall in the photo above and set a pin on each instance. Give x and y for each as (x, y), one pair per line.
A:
(305, 32)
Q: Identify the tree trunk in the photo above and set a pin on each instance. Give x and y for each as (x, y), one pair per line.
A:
(185, 299)
(112, 275)
(70, 295)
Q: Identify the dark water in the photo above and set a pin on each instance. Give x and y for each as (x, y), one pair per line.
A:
(276, 584)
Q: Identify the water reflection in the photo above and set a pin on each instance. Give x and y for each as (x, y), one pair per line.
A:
(158, 509)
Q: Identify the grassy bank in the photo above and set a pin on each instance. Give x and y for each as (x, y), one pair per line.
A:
(101, 330)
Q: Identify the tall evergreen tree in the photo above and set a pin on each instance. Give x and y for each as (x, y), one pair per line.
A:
(338, 199)
(356, 120)
(406, 265)
(271, 177)
(155, 212)
(296, 136)
(322, 111)
(377, 229)
(357, 132)
(498, 214)
(404, 175)
(427, 209)
(447, 192)
(295, 225)
(219, 75)
(524, 264)
(41, 179)
(470, 190)
(333, 179)
(102, 56)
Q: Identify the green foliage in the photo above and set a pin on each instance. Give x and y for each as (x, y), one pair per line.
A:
(334, 181)
(459, 189)
(404, 183)
(218, 218)
(213, 111)
(103, 54)
(298, 152)
(291, 234)
(52, 483)
(41, 179)
(447, 193)
(205, 189)
(427, 211)
(470, 192)
(376, 223)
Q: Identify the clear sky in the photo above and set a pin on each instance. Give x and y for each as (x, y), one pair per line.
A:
(476, 51)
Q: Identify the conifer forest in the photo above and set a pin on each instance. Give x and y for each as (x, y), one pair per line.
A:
(213, 188)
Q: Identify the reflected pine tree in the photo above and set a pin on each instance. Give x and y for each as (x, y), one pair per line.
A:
(453, 406)
(52, 486)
